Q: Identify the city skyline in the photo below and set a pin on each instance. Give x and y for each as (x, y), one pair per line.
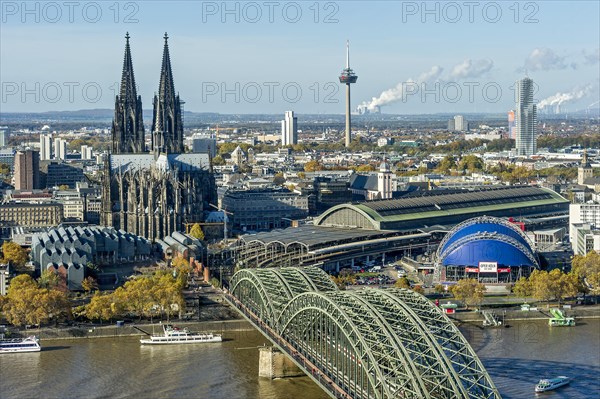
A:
(227, 63)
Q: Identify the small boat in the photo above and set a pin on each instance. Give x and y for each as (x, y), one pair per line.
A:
(551, 383)
(175, 335)
(15, 345)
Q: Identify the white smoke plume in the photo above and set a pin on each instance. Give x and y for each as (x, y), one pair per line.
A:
(466, 69)
(396, 93)
(561, 98)
(545, 59)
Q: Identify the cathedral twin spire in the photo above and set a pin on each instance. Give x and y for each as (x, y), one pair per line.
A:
(128, 128)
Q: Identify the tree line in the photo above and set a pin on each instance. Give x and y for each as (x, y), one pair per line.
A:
(46, 300)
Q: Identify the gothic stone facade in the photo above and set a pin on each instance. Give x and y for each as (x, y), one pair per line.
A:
(153, 193)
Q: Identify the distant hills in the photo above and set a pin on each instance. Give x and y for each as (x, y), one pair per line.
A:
(105, 116)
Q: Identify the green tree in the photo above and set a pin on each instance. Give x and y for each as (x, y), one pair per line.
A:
(278, 180)
(196, 232)
(301, 175)
(470, 291)
(446, 164)
(471, 163)
(4, 169)
(588, 269)
(14, 254)
(75, 145)
(218, 160)
(365, 168)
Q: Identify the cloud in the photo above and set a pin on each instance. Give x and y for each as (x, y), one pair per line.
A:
(592, 58)
(469, 69)
(545, 59)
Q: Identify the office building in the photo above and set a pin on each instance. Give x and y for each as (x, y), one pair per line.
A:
(60, 149)
(45, 147)
(86, 152)
(27, 170)
(526, 118)
(3, 137)
(512, 125)
(289, 129)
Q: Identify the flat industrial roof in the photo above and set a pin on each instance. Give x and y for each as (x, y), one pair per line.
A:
(316, 236)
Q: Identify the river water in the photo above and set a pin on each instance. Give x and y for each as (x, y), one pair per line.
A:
(516, 358)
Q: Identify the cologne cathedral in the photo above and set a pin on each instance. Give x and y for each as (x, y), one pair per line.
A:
(153, 192)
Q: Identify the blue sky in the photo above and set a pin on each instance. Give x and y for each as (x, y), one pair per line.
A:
(236, 57)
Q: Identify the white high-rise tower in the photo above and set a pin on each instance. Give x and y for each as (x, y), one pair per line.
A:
(526, 118)
(289, 129)
(45, 147)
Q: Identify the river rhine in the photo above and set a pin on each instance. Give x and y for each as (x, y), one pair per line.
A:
(516, 358)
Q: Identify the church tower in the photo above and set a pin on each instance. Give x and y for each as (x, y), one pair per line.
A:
(128, 125)
(167, 126)
(585, 170)
(384, 181)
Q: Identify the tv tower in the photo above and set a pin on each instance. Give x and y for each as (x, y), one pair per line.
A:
(348, 77)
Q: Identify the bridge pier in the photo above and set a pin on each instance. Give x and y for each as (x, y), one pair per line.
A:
(272, 363)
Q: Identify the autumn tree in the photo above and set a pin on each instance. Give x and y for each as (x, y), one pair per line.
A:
(522, 288)
(196, 232)
(182, 270)
(446, 164)
(166, 293)
(402, 283)
(28, 303)
(4, 169)
(102, 307)
(588, 269)
(440, 289)
(136, 295)
(52, 280)
(14, 254)
(312, 166)
(89, 284)
(469, 290)
(554, 285)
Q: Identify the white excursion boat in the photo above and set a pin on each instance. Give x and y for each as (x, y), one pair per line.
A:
(175, 335)
(14, 345)
(551, 383)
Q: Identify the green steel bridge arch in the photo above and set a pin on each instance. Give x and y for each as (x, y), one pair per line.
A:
(369, 343)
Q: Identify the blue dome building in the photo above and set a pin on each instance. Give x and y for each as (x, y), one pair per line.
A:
(489, 249)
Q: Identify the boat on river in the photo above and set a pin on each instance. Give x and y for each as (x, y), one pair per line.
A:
(16, 345)
(176, 335)
(551, 383)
